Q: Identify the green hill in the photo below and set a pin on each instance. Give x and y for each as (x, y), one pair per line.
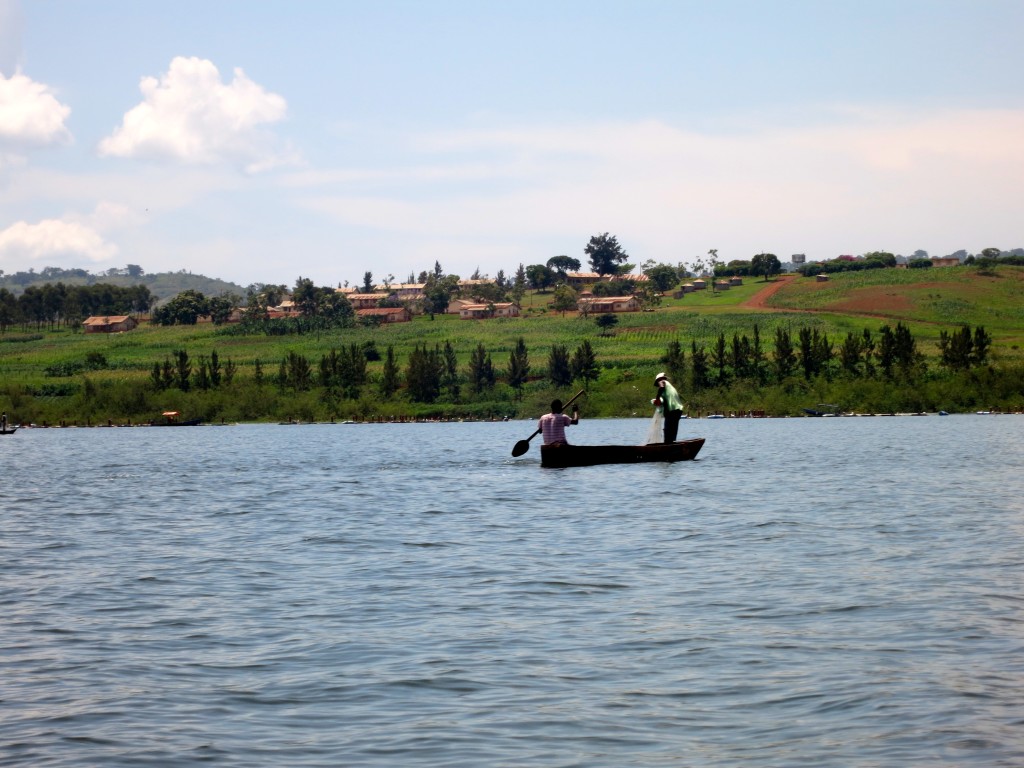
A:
(164, 285)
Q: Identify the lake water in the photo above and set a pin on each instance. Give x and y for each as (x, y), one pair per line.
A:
(821, 592)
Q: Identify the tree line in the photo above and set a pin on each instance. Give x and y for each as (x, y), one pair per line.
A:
(891, 355)
(429, 373)
(54, 305)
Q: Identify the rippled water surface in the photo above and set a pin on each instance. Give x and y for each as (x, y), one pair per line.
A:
(820, 592)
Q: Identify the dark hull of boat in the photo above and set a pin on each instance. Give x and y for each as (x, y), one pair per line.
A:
(8, 431)
(589, 455)
(188, 423)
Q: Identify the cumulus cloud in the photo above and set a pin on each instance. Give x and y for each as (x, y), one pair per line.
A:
(191, 115)
(30, 114)
(52, 239)
(71, 238)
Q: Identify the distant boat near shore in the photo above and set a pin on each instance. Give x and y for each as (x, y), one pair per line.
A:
(172, 419)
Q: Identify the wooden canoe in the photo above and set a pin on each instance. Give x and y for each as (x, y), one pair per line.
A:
(588, 455)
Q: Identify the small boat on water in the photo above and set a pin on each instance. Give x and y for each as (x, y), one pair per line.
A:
(171, 419)
(589, 455)
(823, 409)
(8, 430)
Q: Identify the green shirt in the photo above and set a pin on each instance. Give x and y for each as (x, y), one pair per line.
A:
(670, 400)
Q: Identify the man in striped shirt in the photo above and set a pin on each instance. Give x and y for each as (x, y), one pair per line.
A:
(552, 425)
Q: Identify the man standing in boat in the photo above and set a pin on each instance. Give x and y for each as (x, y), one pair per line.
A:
(552, 425)
(671, 406)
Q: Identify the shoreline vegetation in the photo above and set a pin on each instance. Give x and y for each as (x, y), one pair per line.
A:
(884, 342)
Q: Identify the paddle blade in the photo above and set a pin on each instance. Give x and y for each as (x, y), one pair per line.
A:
(521, 447)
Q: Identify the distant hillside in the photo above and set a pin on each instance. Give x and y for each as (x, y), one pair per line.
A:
(164, 285)
(989, 296)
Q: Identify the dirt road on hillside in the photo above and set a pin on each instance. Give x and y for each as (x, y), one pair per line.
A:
(760, 299)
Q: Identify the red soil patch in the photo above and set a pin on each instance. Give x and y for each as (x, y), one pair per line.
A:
(879, 300)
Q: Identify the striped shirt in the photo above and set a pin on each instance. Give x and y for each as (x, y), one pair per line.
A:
(552, 426)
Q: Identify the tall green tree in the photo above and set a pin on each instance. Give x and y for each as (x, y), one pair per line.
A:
(982, 345)
(605, 254)
(719, 359)
(562, 265)
(887, 351)
(766, 264)
(389, 381)
(664, 276)
(481, 369)
(540, 276)
(295, 372)
(740, 357)
(565, 299)
(183, 370)
(450, 379)
(519, 284)
(518, 367)
(700, 370)
(202, 375)
(783, 355)
(909, 362)
(184, 309)
(584, 363)
(423, 374)
(215, 369)
(758, 362)
(559, 367)
(850, 355)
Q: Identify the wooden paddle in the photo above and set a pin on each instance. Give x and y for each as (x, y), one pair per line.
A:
(524, 445)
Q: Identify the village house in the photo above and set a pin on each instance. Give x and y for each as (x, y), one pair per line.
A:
(286, 308)
(455, 306)
(608, 304)
(366, 300)
(577, 279)
(109, 324)
(944, 261)
(387, 314)
(483, 311)
(408, 291)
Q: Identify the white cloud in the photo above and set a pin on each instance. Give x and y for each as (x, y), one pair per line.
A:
(30, 115)
(54, 239)
(191, 115)
(70, 238)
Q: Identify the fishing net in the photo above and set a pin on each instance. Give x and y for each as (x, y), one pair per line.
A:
(654, 432)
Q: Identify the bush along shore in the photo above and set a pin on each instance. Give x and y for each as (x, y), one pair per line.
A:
(220, 376)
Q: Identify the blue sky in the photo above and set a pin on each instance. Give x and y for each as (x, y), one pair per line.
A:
(261, 141)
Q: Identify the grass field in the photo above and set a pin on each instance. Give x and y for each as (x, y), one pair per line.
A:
(944, 297)
(927, 301)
